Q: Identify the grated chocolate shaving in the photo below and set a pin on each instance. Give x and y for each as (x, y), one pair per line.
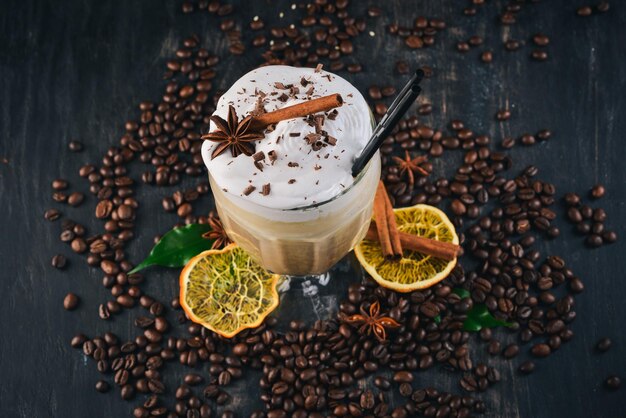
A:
(258, 165)
(248, 190)
(291, 181)
(258, 156)
(312, 138)
(272, 156)
(304, 82)
(333, 114)
(266, 189)
(283, 97)
(292, 164)
(318, 68)
(294, 134)
(331, 140)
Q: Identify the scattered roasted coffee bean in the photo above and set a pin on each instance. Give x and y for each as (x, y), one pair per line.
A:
(59, 262)
(613, 382)
(75, 199)
(102, 386)
(603, 344)
(540, 350)
(584, 11)
(75, 146)
(527, 367)
(70, 302)
(597, 191)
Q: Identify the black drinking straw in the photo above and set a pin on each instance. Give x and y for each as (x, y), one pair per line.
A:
(398, 108)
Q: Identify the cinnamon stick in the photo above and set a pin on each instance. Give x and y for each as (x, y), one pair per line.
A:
(386, 224)
(444, 250)
(309, 107)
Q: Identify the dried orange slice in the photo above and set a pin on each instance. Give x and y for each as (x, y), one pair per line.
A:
(226, 291)
(414, 270)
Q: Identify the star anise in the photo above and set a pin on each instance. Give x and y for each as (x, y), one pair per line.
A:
(233, 134)
(373, 322)
(410, 166)
(217, 233)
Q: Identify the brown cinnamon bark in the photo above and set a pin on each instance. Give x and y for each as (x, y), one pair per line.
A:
(382, 228)
(309, 107)
(386, 224)
(444, 250)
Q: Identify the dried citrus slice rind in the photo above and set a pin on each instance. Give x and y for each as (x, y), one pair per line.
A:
(414, 270)
(226, 291)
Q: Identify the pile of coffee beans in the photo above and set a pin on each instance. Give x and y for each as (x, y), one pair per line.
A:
(330, 368)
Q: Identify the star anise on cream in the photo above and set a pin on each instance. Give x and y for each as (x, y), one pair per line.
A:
(217, 233)
(373, 322)
(410, 166)
(234, 134)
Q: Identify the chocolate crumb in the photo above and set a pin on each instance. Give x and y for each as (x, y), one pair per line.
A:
(248, 190)
(304, 82)
(312, 138)
(317, 167)
(283, 97)
(333, 115)
(258, 156)
(318, 68)
(259, 165)
(294, 134)
(310, 91)
(331, 140)
(266, 189)
(280, 85)
(292, 164)
(272, 156)
(291, 181)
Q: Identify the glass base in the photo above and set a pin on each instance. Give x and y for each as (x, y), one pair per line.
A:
(315, 297)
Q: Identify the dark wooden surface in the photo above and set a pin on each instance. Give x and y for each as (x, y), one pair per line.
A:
(76, 69)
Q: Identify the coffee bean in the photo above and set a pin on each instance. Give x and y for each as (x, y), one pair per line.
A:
(603, 6)
(597, 191)
(511, 351)
(51, 215)
(59, 262)
(584, 11)
(539, 55)
(59, 184)
(414, 42)
(70, 302)
(527, 367)
(603, 344)
(486, 56)
(613, 382)
(75, 199)
(75, 146)
(540, 350)
(540, 39)
(402, 67)
(403, 377)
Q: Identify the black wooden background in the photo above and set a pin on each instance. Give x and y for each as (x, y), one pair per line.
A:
(76, 70)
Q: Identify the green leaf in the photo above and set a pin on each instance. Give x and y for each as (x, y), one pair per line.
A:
(462, 293)
(479, 317)
(177, 247)
(437, 319)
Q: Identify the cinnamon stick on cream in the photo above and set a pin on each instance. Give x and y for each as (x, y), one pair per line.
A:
(309, 107)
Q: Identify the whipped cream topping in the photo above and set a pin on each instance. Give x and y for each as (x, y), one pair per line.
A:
(298, 173)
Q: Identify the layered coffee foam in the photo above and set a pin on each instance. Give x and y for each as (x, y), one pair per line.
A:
(300, 175)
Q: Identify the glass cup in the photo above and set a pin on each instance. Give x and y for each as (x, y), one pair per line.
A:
(304, 241)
